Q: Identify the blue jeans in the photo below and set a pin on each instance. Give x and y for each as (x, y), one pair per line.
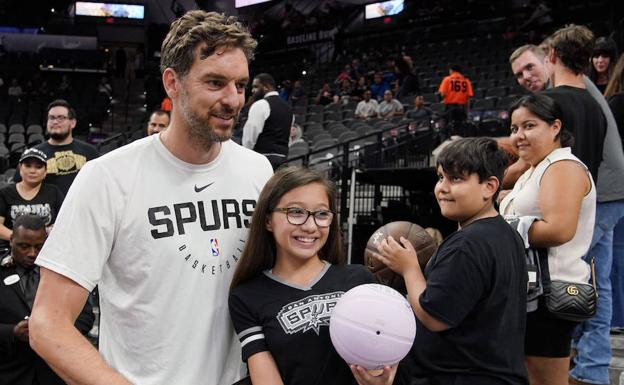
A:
(593, 345)
(617, 276)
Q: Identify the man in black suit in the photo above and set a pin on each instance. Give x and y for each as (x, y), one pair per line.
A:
(19, 278)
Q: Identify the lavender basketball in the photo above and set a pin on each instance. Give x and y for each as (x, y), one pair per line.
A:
(372, 326)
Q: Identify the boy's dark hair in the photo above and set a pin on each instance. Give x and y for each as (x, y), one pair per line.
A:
(71, 113)
(481, 156)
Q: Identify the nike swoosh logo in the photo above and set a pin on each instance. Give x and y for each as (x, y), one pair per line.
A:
(200, 189)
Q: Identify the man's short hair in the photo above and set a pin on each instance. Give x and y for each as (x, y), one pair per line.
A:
(573, 45)
(455, 67)
(207, 30)
(160, 112)
(474, 155)
(29, 222)
(527, 47)
(266, 80)
(71, 113)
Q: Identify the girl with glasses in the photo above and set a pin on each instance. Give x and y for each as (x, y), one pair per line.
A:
(289, 278)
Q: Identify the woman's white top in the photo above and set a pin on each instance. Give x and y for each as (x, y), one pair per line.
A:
(565, 261)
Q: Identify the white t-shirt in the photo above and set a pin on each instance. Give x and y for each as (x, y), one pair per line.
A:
(564, 261)
(367, 109)
(161, 238)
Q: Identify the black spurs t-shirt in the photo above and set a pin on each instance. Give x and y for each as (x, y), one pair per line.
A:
(583, 118)
(46, 204)
(476, 284)
(292, 323)
(64, 162)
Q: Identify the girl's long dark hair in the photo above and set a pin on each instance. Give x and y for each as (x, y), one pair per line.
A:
(260, 250)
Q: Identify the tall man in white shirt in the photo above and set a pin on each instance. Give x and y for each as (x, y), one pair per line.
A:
(159, 226)
(268, 123)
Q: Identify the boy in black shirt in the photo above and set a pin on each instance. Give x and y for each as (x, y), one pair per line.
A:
(471, 310)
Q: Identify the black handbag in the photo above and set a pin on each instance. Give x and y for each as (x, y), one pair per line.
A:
(570, 300)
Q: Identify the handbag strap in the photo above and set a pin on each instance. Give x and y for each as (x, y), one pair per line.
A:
(543, 260)
(593, 274)
(542, 254)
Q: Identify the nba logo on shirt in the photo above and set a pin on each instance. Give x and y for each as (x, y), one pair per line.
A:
(214, 247)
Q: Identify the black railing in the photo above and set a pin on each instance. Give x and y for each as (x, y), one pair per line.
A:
(395, 147)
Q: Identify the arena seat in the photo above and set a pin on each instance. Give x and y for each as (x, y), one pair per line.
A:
(484, 104)
(492, 127)
(346, 136)
(16, 138)
(320, 136)
(334, 116)
(505, 102)
(323, 142)
(296, 152)
(299, 146)
(34, 129)
(314, 117)
(16, 128)
(317, 109)
(35, 139)
(337, 131)
(497, 92)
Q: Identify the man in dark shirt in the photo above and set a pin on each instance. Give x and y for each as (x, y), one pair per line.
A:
(582, 116)
(420, 112)
(268, 123)
(598, 145)
(19, 364)
(66, 155)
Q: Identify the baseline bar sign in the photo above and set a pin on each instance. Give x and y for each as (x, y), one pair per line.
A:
(312, 37)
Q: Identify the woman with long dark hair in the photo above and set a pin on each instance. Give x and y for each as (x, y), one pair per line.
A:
(559, 191)
(602, 62)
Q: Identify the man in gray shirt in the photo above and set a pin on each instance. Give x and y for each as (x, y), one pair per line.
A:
(390, 107)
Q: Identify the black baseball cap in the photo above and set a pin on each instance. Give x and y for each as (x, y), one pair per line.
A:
(34, 154)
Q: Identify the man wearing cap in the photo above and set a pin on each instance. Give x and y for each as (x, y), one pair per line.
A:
(19, 280)
(66, 155)
(29, 196)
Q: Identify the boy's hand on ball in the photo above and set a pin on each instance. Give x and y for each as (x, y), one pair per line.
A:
(400, 257)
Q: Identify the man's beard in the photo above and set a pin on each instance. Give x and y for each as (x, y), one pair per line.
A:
(259, 94)
(59, 135)
(200, 130)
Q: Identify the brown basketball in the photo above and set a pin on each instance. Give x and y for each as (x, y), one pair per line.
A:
(423, 243)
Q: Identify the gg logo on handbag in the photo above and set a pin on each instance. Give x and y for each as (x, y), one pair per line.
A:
(572, 290)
